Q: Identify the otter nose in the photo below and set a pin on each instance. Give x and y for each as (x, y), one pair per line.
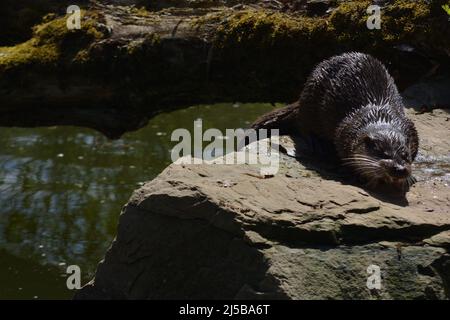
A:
(399, 171)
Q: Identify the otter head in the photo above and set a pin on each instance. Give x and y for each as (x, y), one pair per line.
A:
(381, 153)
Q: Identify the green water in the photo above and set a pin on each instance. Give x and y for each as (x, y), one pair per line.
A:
(62, 189)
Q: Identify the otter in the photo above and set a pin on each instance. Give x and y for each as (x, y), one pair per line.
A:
(352, 102)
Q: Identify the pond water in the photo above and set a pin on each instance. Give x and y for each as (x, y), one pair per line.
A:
(62, 190)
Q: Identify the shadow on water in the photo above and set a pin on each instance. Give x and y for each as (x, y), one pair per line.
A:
(62, 189)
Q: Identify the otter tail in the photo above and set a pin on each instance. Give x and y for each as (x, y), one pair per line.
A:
(281, 119)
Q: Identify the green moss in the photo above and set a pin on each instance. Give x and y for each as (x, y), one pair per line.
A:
(349, 20)
(255, 54)
(26, 53)
(136, 47)
(407, 21)
(18, 17)
(402, 21)
(267, 28)
(140, 12)
(272, 53)
(51, 43)
(268, 51)
(159, 5)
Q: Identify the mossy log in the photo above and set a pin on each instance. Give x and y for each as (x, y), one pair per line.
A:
(127, 64)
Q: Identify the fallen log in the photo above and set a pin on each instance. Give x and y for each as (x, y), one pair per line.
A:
(127, 64)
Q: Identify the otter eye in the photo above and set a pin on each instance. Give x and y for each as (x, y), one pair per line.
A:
(370, 143)
(374, 147)
(404, 155)
(382, 154)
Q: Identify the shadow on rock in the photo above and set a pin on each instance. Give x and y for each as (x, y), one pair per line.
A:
(319, 156)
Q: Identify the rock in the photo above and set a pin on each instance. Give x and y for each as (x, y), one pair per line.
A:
(304, 233)
(432, 92)
(440, 240)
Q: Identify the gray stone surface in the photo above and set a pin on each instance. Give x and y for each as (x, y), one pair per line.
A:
(217, 231)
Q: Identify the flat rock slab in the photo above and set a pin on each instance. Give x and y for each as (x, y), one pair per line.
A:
(223, 231)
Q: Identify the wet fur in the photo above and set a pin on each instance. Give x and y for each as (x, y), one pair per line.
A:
(345, 99)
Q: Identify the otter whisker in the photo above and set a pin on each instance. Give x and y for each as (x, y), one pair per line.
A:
(360, 158)
(361, 161)
(411, 181)
(356, 165)
(366, 170)
(371, 172)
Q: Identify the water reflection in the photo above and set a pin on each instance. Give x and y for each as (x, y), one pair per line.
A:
(62, 189)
